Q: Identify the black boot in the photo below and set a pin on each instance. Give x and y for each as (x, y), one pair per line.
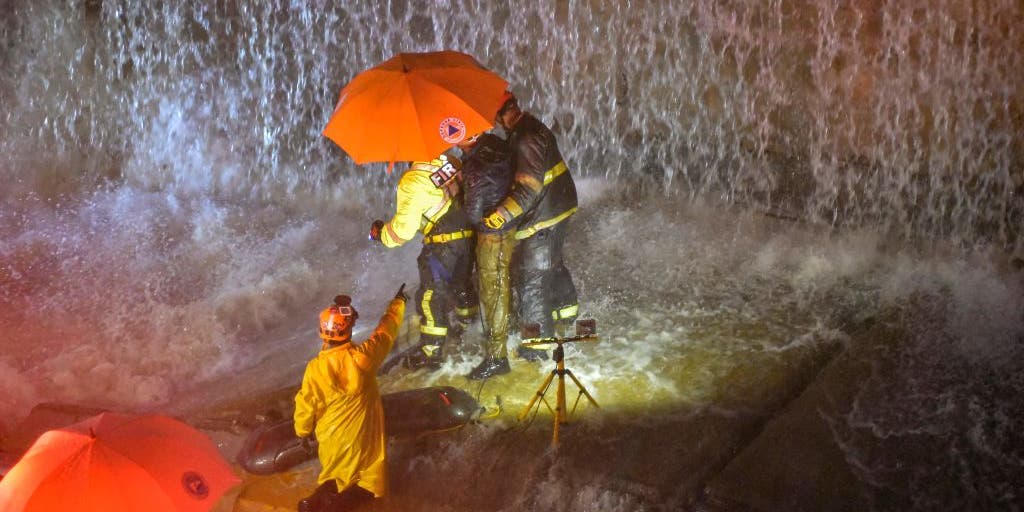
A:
(427, 356)
(320, 500)
(349, 499)
(307, 505)
(490, 367)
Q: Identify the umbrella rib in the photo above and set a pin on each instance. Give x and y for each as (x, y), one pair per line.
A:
(185, 433)
(391, 99)
(407, 83)
(168, 503)
(54, 472)
(452, 94)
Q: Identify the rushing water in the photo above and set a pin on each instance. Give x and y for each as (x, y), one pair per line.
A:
(171, 213)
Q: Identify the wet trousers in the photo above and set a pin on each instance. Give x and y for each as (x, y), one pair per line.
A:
(445, 284)
(542, 282)
(493, 263)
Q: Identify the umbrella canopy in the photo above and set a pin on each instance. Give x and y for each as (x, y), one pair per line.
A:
(118, 462)
(414, 106)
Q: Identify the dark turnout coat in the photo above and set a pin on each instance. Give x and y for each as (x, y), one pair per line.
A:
(486, 180)
(543, 193)
(543, 197)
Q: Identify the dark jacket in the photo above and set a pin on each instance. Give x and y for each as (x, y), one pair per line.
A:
(486, 180)
(543, 193)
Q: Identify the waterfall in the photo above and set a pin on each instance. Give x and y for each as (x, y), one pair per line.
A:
(875, 113)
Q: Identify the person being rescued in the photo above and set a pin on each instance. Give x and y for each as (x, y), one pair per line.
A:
(486, 180)
(429, 202)
(339, 401)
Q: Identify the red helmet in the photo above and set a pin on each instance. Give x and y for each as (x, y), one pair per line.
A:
(336, 321)
(507, 101)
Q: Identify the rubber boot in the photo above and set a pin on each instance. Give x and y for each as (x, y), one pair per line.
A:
(350, 499)
(429, 355)
(490, 367)
(307, 505)
(321, 499)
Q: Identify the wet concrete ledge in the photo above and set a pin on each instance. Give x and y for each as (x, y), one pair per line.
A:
(795, 463)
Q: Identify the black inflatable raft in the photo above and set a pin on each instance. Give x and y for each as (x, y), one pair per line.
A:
(273, 448)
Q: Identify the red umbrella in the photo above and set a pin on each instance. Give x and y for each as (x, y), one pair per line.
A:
(115, 462)
(414, 106)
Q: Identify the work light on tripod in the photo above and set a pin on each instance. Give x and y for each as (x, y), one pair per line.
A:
(586, 330)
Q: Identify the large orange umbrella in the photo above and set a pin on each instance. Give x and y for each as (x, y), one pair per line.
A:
(414, 106)
(118, 462)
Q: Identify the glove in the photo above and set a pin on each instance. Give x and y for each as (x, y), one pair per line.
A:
(401, 294)
(495, 220)
(307, 444)
(375, 230)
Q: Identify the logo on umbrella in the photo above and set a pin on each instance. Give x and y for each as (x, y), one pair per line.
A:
(453, 130)
(144, 456)
(195, 485)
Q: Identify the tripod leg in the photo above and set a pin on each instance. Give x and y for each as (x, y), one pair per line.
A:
(583, 389)
(537, 396)
(560, 416)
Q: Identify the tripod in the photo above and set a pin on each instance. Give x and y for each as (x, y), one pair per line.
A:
(560, 416)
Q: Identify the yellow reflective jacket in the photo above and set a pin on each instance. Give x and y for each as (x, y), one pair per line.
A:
(421, 201)
(339, 397)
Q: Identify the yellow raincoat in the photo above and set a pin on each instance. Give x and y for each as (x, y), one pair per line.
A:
(341, 399)
(421, 202)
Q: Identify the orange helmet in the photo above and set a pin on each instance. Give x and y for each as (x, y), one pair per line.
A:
(508, 100)
(336, 321)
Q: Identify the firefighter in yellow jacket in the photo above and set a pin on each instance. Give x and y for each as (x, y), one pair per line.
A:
(340, 402)
(429, 202)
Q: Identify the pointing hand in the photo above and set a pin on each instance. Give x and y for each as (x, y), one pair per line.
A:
(401, 294)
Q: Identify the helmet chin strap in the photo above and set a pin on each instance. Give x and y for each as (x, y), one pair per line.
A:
(332, 344)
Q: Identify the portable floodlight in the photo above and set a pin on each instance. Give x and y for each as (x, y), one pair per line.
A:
(586, 330)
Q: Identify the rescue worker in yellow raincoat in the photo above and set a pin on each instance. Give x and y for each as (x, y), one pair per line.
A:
(340, 401)
(542, 198)
(429, 202)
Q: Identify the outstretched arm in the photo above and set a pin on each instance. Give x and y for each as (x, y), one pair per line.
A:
(377, 346)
